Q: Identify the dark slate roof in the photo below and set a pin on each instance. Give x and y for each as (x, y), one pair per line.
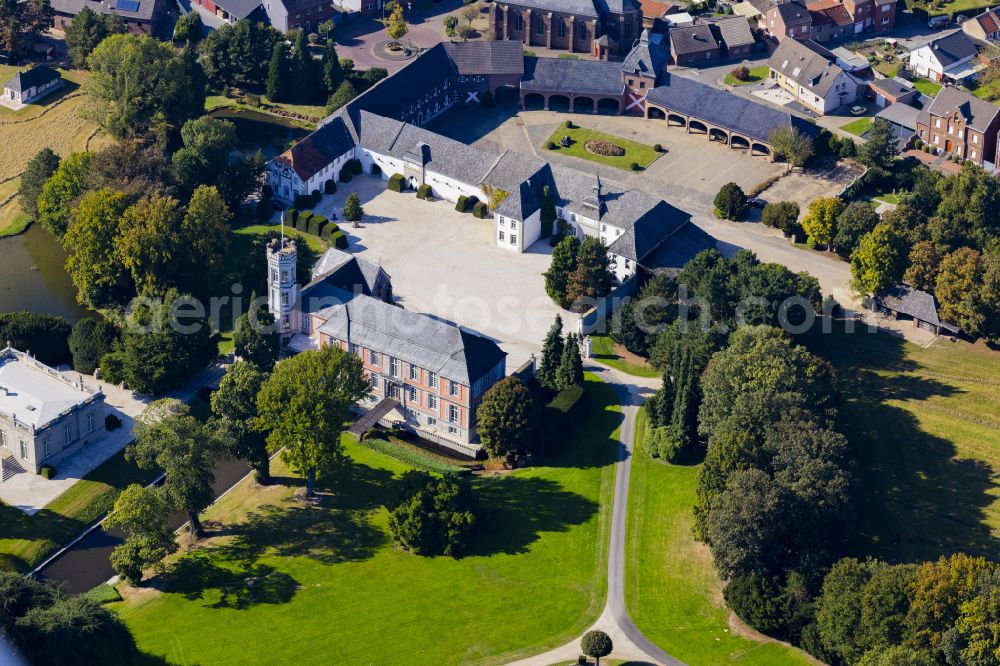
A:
(347, 272)
(38, 75)
(913, 303)
(679, 248)
(596, 77)
(649, 231)
(901, 114)
(618, 6)
(692, 39)
(512, 169)
(646, 58)
(450, 158)
(793, 13)
(315, 151)
(734, 31)
(724, 109)
(399, 92)
(496, 57)
(239, 8)
(953, 48)
(893, 87)
(578, 7)
(807, 63)
(441, 347)
(978, 113)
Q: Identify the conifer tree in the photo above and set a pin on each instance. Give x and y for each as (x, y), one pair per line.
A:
(563, 263)
(304, 70)
(333, 74)
(278, 74)
(552, 351)
(570, 370)
(592, 277)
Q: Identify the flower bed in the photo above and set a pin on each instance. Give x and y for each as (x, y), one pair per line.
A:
(605, 148)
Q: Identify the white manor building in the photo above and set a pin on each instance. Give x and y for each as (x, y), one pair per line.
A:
(641, 231)
(44, 416)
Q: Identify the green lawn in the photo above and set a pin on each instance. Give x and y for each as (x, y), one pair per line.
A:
(923, 424)
(27, 540)
(338, 586)
(927, 87)
(954, 7)
(674, 595)
(990, 92)
(857, 127)
(604, 352)
(757, 74)
(639, 153)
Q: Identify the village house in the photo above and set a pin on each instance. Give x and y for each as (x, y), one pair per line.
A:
(892, 91)
(603, 28)
(985, 27)
(693, 45)
(962, 124)
(946, 58)
(787, 19)
(426, 375)
(141, 17)
(25, 87)
(735, 37)
(810, 73)
(44, 416)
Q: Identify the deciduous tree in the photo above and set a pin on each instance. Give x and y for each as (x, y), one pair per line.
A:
(234, 405)
(396, 26)
(879, 261)
(141, 512)
(596, 644)
(858, 219)
(344, 93)
(820, 221)
(564, 261)
(256, 338)
(38, 170)
(731, 202)
(59, 192)
(507, 419)
(791, 144)
(303, 406)
(93, 262)
(782, 215)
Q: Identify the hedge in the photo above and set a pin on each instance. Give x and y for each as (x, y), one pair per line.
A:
(328, 230)
(45, 336)
(330, 187)
(462, 204)
(396, 182)
(302, 224)
(47, 471)
(560, 419)
(338, 240)
(291, 216)
(302, 201)
(424, 191)
(763, 185)
(316, 224)
(412, 458)
(480, 210)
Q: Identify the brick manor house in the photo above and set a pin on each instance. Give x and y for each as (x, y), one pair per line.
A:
(426, 375)
(603, 28)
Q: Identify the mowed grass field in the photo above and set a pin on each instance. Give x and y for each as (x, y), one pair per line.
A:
(673, 593)
(924, 425)
(331, 585)
(639, 153)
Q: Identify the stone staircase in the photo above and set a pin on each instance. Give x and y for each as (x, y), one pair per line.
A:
(9, 467)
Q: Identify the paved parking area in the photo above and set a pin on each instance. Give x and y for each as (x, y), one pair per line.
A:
(446, 264)
(693, 169)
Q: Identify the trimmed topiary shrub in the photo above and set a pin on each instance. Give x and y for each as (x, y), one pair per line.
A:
(396, 182)
(657, 147)
(462, 204)
(471, 204)
(301, 201)
(634, 166)
(112, 422)
(317, 196)
(316, 224)
(328, 230)
(918, 144)
(47, 471)
(291, 215)
(330, 187)
(480, 210)
(569, 124)
(355, 167)
(338, 239)
(424, 191)
(550, 145)
(302, 224)
(345, 174)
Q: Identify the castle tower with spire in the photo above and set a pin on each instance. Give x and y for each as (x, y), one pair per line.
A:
(282, 283)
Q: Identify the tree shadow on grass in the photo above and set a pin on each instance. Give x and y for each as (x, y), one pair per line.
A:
(517, 511)
(239, 587)
(917, 501)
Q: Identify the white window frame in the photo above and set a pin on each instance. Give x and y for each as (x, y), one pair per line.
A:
(374, 358)
(68, 433)
(432, 379)
(24, 450)
(453, 414)
(414, 373)
(453, 389)
(91, 422)
(432, 401)
(394, 366)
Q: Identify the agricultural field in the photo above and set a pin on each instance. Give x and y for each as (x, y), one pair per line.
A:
(336, 583)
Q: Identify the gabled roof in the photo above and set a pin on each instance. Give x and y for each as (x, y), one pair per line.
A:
(310, 155)
(441, 347)
(645, 58)
(724, 109)
(836, 15)
(978, 113)
(38, 75)
(696, 38)
(807, 63)
(142, 10)
(734, 31)
(347, 271)
(597, 77)
(496, 57)
(892, 87)
(677, 249)
(240, 9)
(656, 8)
(989, 21)
(578, 7)
(793, 13)
(952, 48)
(617, 6)
(913, 303)
(649, 230)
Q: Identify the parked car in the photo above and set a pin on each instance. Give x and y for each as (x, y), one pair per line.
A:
(858, 110)
(939, 22)
(757, 202)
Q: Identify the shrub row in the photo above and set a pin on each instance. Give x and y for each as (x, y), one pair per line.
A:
(307, 201)
(760, 187)
(316, 225)
(465, 204)
(411, 457)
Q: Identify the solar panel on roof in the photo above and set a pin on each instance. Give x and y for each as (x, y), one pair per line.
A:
(127, 5)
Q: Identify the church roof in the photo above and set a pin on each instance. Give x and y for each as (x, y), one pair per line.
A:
(645, 58)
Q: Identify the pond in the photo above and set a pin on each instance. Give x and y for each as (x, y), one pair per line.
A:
(255, 130)
(33, 277)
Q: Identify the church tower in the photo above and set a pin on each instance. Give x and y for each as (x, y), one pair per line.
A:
(282, 286)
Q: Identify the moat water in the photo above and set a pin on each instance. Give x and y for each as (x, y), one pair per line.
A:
(33, 275)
